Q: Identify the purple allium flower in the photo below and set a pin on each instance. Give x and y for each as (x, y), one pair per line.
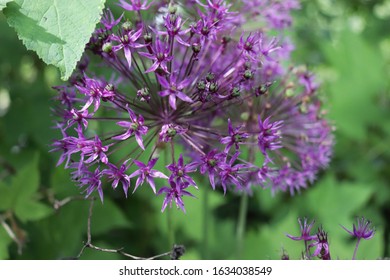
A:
(321, 245)
(118, 175)
(196, 82)
(135, 5)
(235, 137)
(205, 28)
(308, 80)
(275, 14)
(174, 193)
(67, 145)
(174, 90)
(212, 163)
(266, 49)
(78, 117)
(173, 24)
(146, 173)
(92, 181)
(363, 230)
(217, 5)
(305, 231)
(305, 228)
(269, 136)
(94, 149)
(95, 90)
(127, 41)
(135, 127)
(231, 173)
(108, 20)
(248, 45)
(160, 56)
(180, 171)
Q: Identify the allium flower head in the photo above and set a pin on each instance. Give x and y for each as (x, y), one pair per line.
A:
(117, 175)
(134, 5)
(192, 79)
(127, 40)
(174, 193)
(305, 231)
(135, 127)
(108, 21)
(363, 229)
(321, 245)
(275, 13)
(146, 173)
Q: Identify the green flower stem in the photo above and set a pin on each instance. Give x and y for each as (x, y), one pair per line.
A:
(206, 218)
(243, 211)
(306, 250)
(170, 222)
(171, 227)
(356, 248)
(241, 224)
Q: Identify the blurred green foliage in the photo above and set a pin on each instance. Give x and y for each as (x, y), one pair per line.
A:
(344, 42)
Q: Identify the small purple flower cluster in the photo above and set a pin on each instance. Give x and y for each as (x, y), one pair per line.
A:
(320, 242)
(192, 78)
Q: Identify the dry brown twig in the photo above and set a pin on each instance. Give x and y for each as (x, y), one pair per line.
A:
(176, 252)
(13, 231)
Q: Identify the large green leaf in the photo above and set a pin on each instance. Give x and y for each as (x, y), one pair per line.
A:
(20, 196)
(60, 235)
(32, 211)
(24, 184)
(270, 240)
(61, 184)
(56, 30)
(5, 194)
(107, 216)
(334, 202)
(358, 76)
(5, 240)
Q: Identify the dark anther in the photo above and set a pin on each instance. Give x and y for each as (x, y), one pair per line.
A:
(177, 252)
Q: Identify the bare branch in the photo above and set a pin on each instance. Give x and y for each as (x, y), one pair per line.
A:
(8, 229)
(11, 234)
(89, 240)
(176, 252)
(57, 204)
